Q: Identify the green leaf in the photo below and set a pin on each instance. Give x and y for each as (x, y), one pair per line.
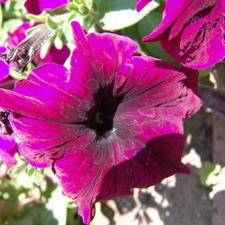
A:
(11, 24)
(1, 17)
(41, 215)
(46, 46)
(58, 40)
(30, 170)
(146, 26)
(34, 29)
(23, 180)
(66, 28)
(117, 14)
(205, 82)
(51, 23)
(209, 174)
(17, 169)
(72, 6)
(83, 9)
(40, 18)
(204, 73)
(38, 176)
(25, 220)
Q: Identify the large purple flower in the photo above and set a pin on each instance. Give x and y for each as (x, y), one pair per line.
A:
(111, 123)
(192, 32)
(37, 6)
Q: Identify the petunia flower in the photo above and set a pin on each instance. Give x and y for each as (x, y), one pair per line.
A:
(111, 123)
(3, 1)
(37, 6)
(8, 145)
(192, 32)
(141, 4)
(4, 72)
(8, 148)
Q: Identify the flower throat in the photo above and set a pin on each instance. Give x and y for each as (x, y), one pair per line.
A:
(100, 117)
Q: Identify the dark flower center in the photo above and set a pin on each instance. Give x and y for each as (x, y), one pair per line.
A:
(100, 117)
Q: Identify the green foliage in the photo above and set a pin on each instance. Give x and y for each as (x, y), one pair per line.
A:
(23, 201)
(1, 18)
(117, 14)
(203, 78)
(209, 173)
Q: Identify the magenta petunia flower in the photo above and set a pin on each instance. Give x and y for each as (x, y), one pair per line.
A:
(8, 145)
(8, 148)
(37, 6)
(54, 55)
(3, 1)
(192, 32)
(4, 72)
(113, 122)
(141, 4)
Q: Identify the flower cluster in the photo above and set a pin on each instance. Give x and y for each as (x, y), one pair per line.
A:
(113, 120)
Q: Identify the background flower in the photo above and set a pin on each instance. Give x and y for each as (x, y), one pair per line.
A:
(111, 123)
(8, 148)
(192, 32)
(4, 67)
(37, 6)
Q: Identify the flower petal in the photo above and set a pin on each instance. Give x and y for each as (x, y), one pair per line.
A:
(47, 94)
(109, 169)
(150, 77)
(4, 70)
(8, 148)
(98, 58)
(41, 142)
(192, 32)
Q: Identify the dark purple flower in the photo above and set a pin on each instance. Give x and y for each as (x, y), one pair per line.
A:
(111, 123)
(3, 1)
(192, 32)
(37, 6)
(141, 4)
